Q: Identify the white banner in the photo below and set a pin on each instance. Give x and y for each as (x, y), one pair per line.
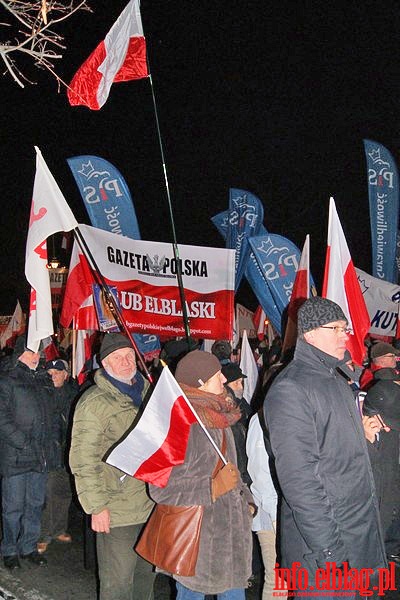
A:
(382, 300)
(244, 321)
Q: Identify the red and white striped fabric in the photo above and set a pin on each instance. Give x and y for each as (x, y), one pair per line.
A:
(84, 347)
(300, 293)
(121, 56)
(159, 440)
(78, 297)
(259, 319)
(15, 327)
(341, 285)
(49, 213)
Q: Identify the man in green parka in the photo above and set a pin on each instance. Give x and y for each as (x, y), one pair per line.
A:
(118, 504)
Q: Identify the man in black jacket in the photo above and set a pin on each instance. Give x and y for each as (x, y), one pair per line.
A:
(27, 424)
(329, 511)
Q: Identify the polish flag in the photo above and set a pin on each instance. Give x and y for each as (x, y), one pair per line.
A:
(259, 319)
(300, 293)
(49, 349)
(50, 213)
(120, 57)
(78, 297)
(159, 440)
(84, 347)
(341, 285)
(15, 327)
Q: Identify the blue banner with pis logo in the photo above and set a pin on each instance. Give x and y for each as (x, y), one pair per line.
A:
(105, 195)
(383, 193)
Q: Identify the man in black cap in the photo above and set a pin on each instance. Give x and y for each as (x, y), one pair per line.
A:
(382, 356)
(329, 510)
(58, 490)
(118, 504)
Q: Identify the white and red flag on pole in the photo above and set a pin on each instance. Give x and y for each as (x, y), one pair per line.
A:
(159, 440)
(300, 293)
(259, 320)
(15, 327)
(83, 353)
(78, 297)
(341, 285)
(49, 213)
(121, 56)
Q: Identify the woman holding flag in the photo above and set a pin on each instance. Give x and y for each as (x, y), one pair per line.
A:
(224, 562)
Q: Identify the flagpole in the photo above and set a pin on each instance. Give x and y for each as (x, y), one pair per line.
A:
(175, 243)
(110, 298)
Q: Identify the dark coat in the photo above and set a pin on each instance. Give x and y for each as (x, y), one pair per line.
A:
(28, 422)
(224, 560)
(329, 509)
(384, 398)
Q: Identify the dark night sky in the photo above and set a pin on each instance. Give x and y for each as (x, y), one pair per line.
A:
(274, 98)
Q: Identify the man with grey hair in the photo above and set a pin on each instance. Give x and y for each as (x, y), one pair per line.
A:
(329, 511)
(118, 504)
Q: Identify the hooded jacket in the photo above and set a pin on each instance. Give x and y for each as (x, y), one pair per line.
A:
(329, 509)
(102, 416)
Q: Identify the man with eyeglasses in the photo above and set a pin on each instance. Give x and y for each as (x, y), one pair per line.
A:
(329, 512)
(382, 356)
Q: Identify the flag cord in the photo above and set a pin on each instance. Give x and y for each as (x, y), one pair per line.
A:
(110, 298)
(175, 243)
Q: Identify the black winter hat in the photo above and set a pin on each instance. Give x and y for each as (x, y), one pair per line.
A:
(58, 364)
(232, 372)
(316, 312)
(111, 342)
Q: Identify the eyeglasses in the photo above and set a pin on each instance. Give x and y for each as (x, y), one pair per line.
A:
(337, 329)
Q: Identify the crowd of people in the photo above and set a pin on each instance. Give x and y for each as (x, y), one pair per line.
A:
(310, 476)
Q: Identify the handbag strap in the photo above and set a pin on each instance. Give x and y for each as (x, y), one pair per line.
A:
(220, 463)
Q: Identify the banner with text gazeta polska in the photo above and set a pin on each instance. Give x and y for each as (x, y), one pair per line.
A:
(253, 273)
(105, 194)
(144, 274)
(383, 193)
(278, 259)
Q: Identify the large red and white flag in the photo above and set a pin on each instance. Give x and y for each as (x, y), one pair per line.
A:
(121, 56)
(159, 440)
(300, 293)
(341, 285)
(15, 327)
(49, 213)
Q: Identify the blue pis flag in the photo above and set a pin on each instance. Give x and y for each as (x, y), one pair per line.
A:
(246, 214)
(278, 259)
(105, 194)
(383, 193)
(253, 273)
(109, 205)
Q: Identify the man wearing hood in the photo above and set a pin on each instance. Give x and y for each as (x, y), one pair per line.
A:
(329, 510)
(383, 403)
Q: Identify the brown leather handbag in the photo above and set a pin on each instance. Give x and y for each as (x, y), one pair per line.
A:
(171, 537)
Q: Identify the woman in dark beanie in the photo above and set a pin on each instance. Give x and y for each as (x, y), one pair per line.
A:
(224, 562)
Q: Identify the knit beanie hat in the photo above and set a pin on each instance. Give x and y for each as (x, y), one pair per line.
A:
(196, 368)
(111, 342)
(316, 312)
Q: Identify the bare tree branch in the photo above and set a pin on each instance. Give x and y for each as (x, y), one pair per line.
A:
(33, 33)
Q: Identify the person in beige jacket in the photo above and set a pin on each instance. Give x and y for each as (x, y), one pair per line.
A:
(118, 504)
